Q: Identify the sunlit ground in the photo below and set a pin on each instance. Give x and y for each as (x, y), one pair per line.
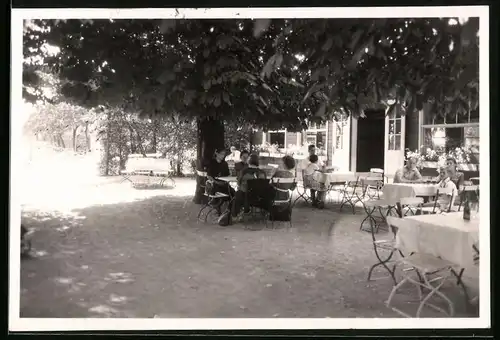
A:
(105, 249)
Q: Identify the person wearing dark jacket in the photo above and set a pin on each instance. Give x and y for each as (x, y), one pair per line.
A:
(218, 167)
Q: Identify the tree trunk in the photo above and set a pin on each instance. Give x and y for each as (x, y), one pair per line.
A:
(154, 135)
(179, 168)
(61, 141)
(75, 130)
(139, 143)
(108, 149)
(87, 137)
(133, 148)
(210, 137)
(106, 172)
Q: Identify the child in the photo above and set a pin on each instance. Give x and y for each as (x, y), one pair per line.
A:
(445, 200)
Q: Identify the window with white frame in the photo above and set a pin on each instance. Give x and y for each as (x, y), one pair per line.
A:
(445, 134)
(316, 134)
(340, 125)
(278, 138)
(394, 132)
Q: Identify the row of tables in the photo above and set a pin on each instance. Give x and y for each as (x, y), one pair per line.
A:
(447, 236)
(444, 235)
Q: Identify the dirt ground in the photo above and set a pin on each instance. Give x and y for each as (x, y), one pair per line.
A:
(108, 250)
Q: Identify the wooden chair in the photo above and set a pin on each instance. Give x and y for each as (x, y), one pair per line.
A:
(431, 274)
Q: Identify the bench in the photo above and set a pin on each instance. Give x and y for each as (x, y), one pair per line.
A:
(151, 166)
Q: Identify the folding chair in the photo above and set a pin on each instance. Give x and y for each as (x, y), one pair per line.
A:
(387, 246)
(375, 182)
(432, 273)
(352, 193)
(301, 188)
(214, 203)
(411, 205)
(373, 206)
(439, 202)
(281, 206)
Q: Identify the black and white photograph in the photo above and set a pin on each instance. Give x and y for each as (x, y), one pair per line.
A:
(249, 168)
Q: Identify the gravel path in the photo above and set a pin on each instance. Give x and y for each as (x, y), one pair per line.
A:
(112, 251)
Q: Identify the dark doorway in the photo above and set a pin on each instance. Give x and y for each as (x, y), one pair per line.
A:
(370, 148)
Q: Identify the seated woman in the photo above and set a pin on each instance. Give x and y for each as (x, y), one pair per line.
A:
(285, 171)
(409, 173)
(240, 199)
(218, 167)
(444, 200)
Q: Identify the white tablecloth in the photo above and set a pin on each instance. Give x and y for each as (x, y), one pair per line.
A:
(228, 179)
(334, 177)
(447, 236)
(395, 191)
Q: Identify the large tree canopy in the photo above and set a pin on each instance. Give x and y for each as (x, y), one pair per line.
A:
(270, 73)
(267, 73)
(200, 68)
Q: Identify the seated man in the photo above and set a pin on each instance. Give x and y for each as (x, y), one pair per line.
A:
(218, 167)
(409, 173)
(243, 163)
(250, 172)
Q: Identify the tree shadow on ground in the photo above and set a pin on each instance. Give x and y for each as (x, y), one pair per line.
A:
(152, 257)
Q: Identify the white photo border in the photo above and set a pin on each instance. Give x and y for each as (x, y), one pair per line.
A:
(16, 323)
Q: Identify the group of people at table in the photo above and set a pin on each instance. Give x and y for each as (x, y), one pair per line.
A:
(448, 178)
(246, 167)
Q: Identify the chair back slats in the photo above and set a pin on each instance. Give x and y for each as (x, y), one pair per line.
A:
(284, 183)
(258, 191)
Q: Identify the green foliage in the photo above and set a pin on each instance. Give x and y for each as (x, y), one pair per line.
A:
(122, 133)
(363, 63)
(197, 68)
(268, 73)
(53, 120)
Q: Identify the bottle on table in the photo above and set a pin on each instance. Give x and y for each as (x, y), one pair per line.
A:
(467, 208)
